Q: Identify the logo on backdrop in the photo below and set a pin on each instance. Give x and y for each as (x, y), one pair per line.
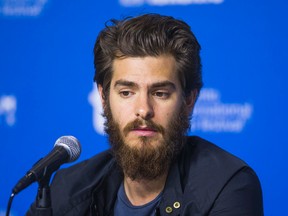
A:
(8, 107)
(95, 101)
(210, 113)
(22, 7)
(129, 3)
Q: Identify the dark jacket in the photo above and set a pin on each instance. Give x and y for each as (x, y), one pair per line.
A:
(205, 180)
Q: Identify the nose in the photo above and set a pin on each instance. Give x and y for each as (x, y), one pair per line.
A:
(144, 107)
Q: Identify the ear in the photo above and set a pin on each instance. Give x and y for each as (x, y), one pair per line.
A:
(101, 94)
(191, 100)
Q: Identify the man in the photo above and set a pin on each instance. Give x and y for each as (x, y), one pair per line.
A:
(148, 73)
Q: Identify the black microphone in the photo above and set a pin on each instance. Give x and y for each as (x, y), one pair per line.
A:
(66, 149)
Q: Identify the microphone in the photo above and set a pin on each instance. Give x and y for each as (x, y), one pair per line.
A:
(66, 149)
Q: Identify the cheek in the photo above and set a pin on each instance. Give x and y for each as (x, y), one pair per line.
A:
(121, 113)
(167, 113)
(164, 114)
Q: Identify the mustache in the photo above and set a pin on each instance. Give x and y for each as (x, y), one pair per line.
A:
(140, 123)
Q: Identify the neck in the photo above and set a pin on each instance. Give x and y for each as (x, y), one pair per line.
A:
(140, 192)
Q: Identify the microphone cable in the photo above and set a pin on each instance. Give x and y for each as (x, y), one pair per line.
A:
(9, 204)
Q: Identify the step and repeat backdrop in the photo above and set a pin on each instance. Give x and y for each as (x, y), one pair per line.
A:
(47, 90)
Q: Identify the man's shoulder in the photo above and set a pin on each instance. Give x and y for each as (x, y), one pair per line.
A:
(73, 186)
(205, 161)
(89, 167)
(211, 174)
(208, 153)
(83, 176)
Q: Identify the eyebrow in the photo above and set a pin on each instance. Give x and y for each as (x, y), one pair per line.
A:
(127, 83)
(165, 83)
(160, 84)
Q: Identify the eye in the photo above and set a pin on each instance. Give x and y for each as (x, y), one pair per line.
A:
(126, 94)
(161, 94)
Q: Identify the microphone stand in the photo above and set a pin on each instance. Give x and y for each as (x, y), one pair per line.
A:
(43, 199)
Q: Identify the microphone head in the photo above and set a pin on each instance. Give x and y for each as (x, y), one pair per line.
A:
(71, 145)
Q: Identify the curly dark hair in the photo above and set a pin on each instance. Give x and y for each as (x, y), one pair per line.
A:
(149, 35)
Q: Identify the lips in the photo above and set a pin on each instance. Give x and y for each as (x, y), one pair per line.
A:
(144, 131)
(142, 128)
(145, 128)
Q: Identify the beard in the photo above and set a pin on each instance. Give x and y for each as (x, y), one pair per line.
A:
(144, 161)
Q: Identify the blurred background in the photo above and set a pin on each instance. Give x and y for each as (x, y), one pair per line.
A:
(47, 91)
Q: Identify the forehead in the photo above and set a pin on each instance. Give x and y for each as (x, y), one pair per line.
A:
(145, 69)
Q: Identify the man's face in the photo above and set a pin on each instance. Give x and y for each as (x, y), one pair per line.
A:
(147, 115)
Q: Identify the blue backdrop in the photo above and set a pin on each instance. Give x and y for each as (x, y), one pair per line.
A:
(46, 88)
